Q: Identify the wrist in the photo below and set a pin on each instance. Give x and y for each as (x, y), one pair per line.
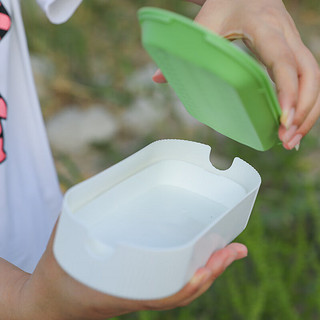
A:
(37, 298)
(11, 289)
(27, 302)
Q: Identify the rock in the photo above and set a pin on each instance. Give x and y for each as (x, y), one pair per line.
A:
(141, 80)
(43, 71)
(143, 115)
(73, 130)
(183, 115)
(313, 43)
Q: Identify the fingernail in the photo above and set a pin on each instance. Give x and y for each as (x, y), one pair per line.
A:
(295, 141)
(297, 146)
(230, 259)
(243, 253)
(287, 117)
(158, 77)
(198, 278)
(290, 118)
(157, 73)
(284, 117)
(289, 133)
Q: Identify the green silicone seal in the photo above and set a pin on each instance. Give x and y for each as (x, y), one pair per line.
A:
(220, 85)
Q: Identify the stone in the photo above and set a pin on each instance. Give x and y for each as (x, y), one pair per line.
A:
(73, 130)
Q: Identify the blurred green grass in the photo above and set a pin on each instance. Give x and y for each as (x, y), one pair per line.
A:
(93, 54)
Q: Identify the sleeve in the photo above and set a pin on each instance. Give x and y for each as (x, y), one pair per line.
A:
(59, 11)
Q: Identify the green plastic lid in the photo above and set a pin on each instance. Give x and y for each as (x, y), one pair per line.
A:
(220, 85)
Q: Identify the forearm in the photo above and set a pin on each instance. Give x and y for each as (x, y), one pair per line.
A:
(12, 280)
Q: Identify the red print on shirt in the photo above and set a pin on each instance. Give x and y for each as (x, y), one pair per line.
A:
(3, 115)
(5, 23)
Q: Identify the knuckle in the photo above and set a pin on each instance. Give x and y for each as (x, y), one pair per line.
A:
(193, 290)
(150, 305)
(184, 303)
(300, 116)
(269, 15)
(292, 96)
(286, 57)
(313, 65)
(303, 131)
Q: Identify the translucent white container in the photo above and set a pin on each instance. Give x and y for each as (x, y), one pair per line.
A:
(141, 228)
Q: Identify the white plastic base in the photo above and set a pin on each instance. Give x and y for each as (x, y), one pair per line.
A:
(141, 228)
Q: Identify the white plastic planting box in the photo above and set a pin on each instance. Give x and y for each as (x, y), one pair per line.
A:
(141, 228)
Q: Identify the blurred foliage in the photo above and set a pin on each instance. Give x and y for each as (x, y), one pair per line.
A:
(93, 54)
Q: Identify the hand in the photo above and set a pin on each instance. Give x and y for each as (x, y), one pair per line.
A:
(267, 29)
(52, 294)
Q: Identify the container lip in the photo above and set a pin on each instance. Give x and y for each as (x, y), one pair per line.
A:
(247, 63)
(142, 271)
(244, 59)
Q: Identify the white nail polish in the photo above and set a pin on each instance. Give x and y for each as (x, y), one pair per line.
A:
(295, 141)
(290, 118)
(289, 134)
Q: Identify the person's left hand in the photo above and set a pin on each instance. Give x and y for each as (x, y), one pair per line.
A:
(51, 294)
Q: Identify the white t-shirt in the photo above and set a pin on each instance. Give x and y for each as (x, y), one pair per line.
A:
(30, 198)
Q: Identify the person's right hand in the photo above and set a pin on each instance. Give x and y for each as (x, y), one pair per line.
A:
(268, 30)
(51, 294)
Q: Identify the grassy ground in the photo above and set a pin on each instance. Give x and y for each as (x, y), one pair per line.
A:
(92, 56)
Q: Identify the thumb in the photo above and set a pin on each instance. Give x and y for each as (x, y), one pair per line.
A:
(217, 16)
(203, 18)
(213, 15)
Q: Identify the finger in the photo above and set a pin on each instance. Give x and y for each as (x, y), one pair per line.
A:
(224, 257)
(214, 15)
(177, 299)
(274, 51)
(197, 294)
(308, 86)
(269, 45)
(201, 280)
(308, 78)
(310, 120)
(218, 262)
(291, 138)
(158, 77)
(216, 265)
(191, 289)
(308, 72)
